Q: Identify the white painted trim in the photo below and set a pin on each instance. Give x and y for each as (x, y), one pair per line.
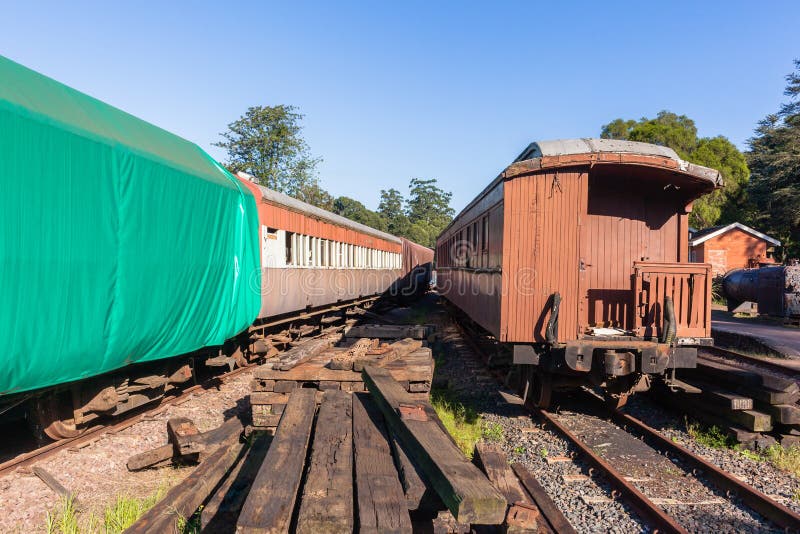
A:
(740, 226)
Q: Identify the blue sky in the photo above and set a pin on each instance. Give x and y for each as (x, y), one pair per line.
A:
(394, 90)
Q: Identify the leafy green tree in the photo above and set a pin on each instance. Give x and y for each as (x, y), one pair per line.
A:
(356, 211)
(266, 142)
(391, 209)
(774, 160)
(680, 134)
(429, 207)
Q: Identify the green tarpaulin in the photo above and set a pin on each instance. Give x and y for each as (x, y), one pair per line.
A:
(119, 243)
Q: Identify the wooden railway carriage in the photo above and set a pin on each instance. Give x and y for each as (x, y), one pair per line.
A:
(577, 255)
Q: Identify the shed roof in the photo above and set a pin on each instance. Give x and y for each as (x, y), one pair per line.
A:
(708, 233)
(310, 210)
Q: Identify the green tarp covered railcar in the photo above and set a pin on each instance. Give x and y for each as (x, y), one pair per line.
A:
(120, 242)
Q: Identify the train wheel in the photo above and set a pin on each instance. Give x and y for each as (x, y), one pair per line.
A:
(49, 417)
(539, 390)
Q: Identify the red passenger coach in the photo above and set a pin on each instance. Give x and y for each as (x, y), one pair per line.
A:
(577, 255)
(311, 257)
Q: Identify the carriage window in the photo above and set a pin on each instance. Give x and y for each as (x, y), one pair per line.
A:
(289, 239)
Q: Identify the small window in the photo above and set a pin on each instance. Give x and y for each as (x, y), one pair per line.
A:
(289, 248)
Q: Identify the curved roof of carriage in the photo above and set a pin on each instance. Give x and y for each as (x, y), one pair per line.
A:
(559, 153)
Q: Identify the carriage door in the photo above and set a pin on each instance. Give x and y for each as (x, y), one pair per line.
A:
(612, 237)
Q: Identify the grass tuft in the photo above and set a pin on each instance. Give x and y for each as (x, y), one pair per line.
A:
(66, 519)
(786, 459)
(710, 436)
(462, 422)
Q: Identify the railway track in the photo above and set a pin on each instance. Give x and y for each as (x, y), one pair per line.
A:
(131, 418)
(659, 512)
(95, 432)
(789, 368)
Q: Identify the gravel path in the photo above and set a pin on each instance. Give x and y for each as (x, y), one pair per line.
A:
(97, 472)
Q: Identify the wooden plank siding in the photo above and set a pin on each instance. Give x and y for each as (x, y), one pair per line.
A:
(541, 253)
(280, 217)
(577, 230)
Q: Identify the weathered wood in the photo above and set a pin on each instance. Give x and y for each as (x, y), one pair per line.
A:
(466, 491)
(397, 350)
(718, 371)
(344, 360)
(301, 352)
(419, 494)
(227, 431)
(381, 501)
(182, 433)
(183, 500)
(220, 512)
(788, 414)
(719, 397)
(268, 397)
(556, 521)
(493, 462)
(271, 500)
(385, 331)
(327, 502)
(54, 484)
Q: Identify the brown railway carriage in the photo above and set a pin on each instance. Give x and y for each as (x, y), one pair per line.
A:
(311, 257)
(573, 253)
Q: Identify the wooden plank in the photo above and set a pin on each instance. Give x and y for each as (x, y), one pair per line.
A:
(719, 397)
(54, 484)
(466, 491)
(554, 516)
(788, 414)
(752, 377)
(344, 360)
(210, 440)
(419, 495)
(385, 331)
(183, 500)
(220, 512)
(271, 500)
(397, 350)
(493, 462)
(381, 501)
(327, 503)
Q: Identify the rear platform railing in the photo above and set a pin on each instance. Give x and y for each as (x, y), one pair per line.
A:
(689, 285)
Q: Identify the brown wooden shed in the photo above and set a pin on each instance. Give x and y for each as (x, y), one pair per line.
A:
(732, 246)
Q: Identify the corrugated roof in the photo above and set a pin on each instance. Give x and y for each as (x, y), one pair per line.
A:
(293, 204)
(563, 147)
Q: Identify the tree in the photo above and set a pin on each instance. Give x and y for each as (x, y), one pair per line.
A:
(266, 142)
(356, 211)
(429, 207)
(680, 134)
(774, 160)
(391, 209)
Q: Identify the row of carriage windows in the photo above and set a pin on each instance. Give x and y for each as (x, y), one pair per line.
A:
(466, 247)
(308, 251)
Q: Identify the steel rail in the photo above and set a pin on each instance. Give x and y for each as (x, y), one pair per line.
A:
(95, 432)
(766, 364)
(758, 501)
(640, 503)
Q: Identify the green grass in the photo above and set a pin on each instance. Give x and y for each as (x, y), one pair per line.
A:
(710, 436)
(462, 422)
(493, 432)
(67, 519)
(784, 458)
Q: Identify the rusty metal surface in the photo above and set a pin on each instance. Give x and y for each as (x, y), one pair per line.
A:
(776, 289)
(758, 501)
(637, 499)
